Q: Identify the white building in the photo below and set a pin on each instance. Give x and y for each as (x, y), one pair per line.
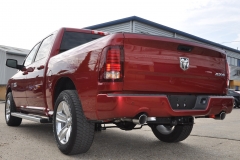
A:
(6, 72)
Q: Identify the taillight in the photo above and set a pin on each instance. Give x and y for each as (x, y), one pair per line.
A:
(111, 68)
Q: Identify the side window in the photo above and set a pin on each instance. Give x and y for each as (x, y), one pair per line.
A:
(31, 55)
(44, 48)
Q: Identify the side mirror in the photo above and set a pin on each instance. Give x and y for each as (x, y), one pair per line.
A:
(12, 63)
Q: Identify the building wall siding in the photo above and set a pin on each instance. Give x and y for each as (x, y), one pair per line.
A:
(123, 27)
(188, 39)
(233, 54)
(2, 66)
(141, 27)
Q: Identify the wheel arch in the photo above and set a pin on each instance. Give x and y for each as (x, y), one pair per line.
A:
(8, 90)
(63, 83)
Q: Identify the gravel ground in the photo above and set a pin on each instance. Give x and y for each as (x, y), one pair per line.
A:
(210, 139)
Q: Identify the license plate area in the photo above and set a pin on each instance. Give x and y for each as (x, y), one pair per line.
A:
(183, 102)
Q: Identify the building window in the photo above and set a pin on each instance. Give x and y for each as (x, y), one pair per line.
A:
(238, 62)
(232, 61)
(228, 60)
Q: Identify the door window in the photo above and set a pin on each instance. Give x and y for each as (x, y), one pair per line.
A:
(31, 55)
(44, 48)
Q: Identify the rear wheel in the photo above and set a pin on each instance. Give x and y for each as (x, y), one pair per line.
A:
(170, 134)
(9, 108)
(72, 132)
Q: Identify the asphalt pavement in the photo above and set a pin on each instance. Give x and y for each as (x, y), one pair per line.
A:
(210, 139)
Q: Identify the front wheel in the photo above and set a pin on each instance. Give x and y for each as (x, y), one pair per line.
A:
(172, 134)
(72, 132)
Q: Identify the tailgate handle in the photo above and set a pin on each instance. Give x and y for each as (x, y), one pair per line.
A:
(185, 48)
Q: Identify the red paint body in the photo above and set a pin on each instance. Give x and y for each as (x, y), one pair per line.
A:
(151, 71)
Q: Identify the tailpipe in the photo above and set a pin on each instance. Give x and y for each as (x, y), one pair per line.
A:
(142, 119)
(220, 116)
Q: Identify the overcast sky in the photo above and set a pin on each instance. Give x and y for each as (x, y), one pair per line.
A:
(25, 22)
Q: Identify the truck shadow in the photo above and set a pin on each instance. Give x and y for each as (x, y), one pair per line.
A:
(118, 144)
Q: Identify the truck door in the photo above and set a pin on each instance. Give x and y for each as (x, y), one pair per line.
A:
(19, 84)
(35, 79)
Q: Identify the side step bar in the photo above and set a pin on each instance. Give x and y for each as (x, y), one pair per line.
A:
(34, 118)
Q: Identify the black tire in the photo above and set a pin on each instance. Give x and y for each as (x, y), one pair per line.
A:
(81, 134)
(235, 104)
(174, 134)
(9, 108)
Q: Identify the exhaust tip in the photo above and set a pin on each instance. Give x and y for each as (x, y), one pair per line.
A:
(221, 116)
(142, 119)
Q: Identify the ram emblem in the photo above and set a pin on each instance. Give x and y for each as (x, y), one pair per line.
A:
(184, 63)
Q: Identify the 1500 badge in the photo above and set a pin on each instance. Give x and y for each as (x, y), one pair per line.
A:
(220, 74)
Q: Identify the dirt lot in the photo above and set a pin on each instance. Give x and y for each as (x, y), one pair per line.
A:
(210, 139)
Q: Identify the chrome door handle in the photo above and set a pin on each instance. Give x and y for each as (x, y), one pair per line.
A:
(40, 67)
(25, 72)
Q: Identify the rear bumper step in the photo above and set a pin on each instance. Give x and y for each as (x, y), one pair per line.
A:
(34, 118)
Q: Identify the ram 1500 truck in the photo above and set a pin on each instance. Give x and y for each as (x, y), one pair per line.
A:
(80, 80)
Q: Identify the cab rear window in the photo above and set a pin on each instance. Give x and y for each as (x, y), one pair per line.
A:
(74, 39)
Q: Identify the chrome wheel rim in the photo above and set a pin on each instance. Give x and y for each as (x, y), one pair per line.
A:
(7, 110)
(63, 122)
(164, 129)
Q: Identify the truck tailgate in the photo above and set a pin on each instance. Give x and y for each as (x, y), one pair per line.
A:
(161, 64)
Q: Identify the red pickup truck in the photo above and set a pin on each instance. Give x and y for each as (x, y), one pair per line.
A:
(80, 80)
